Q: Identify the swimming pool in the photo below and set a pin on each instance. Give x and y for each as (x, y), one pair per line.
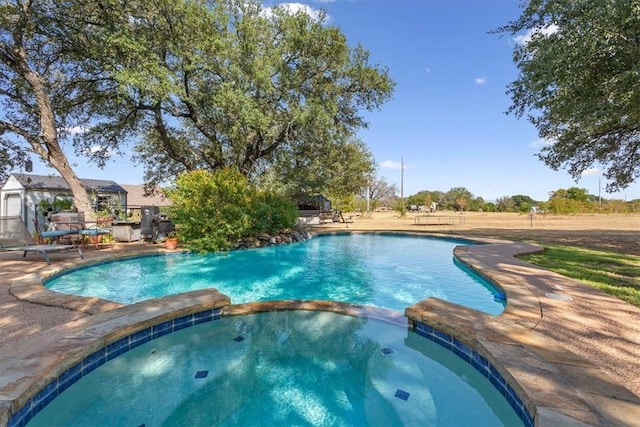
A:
(283, 368)
(384, 270)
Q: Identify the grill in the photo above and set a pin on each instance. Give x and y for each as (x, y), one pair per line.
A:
(154, 225)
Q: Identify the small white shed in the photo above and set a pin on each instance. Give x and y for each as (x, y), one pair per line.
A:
(21, 193)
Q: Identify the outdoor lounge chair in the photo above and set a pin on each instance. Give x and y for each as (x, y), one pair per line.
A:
(14, 236)
(75, 228)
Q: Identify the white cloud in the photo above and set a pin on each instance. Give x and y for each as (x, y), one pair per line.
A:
(74, 130)
(592, 172)
(96, 149)
(540, 143)
(526, 37)
(481, 80)
(294, 8)
(393, 165)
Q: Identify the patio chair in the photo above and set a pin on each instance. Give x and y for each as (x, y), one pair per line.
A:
(14, 236)
(57, 234)
(95, 233)
(64, 230)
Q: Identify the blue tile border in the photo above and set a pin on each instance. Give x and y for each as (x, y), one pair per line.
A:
(162, 329)
(480, 363)
(101, 356)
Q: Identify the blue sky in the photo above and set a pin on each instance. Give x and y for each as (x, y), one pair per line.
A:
(446, 121)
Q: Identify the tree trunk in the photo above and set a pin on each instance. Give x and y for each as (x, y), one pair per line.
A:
(46, 145)
(81, 199)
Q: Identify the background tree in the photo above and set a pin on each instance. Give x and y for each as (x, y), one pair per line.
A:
(456, 198)
(573, 193)
(476, 204)
(461, 203)
(570, 201)
(425, 198)
(523, 203)
(338, 169)
(490, 207)
(381, 193)
(579, 84)
(505, 204)
(428, 202)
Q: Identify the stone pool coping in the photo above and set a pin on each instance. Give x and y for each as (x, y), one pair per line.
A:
(556, 386)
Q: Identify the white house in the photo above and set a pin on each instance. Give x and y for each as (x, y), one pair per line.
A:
(21, 193)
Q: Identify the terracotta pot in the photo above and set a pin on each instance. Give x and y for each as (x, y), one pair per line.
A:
(171, 243)
(104, 221)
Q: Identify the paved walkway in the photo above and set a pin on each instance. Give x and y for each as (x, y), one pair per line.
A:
(597, 326)
(590, 339)
(19, 317)
(603, 331)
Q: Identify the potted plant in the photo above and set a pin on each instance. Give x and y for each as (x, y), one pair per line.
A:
(95, 239)
(171, 242)
(104, 219)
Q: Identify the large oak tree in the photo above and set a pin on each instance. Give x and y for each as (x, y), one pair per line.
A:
(579, 84)
(194, 84)
(276, 94)
(46, 83)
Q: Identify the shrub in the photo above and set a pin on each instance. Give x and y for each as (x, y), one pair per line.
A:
(273, 213)
(211, 210)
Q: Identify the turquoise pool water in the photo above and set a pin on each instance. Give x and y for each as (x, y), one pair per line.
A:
(388, 271)
(283, 368)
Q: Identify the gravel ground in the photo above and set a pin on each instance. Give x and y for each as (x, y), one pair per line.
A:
(615, 233)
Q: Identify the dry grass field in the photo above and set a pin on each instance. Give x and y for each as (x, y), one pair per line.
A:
(610, 232)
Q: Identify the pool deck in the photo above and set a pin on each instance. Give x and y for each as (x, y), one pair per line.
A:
(574, 352)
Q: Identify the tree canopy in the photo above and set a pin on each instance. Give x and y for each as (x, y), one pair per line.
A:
(573, 193)
(47, 83)
(379, 190)
(457, 198)
(579, 84)
(275, 93)
(193, 85)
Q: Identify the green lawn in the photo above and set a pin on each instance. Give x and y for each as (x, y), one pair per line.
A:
(613, 273)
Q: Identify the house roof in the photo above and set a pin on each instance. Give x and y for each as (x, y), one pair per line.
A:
(52, 182)
(136, 197)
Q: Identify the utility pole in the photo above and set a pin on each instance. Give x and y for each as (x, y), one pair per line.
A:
(368, 196)
(402, 182)
(599, 198)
